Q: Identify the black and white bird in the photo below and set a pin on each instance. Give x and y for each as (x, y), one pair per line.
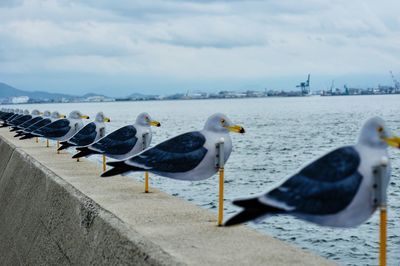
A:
(123, 142)
(21, 119)
(26, 120)
(6, 114)
(17, 113)
(47, 119)
(189, 156)
(88, 134)
(336, 190)
(62, 129)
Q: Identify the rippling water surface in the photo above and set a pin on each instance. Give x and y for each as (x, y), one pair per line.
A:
(282, 134)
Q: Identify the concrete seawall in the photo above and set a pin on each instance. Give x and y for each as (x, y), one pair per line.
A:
(55, 211)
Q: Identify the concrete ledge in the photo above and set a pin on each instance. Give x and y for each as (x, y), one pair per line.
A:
(55, 211)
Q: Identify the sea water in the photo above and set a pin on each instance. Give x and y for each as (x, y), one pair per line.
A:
(282, 135)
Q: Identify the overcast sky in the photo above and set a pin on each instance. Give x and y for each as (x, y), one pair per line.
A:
(153, 46)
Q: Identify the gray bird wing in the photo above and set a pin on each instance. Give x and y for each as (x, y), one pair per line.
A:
(118, 142)
(85, 136)
(179, 154)
(326, 186)
(58, 128)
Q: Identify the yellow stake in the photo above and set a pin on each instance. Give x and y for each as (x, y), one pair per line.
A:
(47, 143)
(58, 146)
(221, 196)
(146, 182)
(104, 163)
(383, 236)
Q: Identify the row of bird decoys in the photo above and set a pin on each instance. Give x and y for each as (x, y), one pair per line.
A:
(335, 190)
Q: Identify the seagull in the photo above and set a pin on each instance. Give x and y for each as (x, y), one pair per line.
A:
(123, 142)
(335, 190)
(21, 119)
(88, 134)
(189, 156)
(47, 119)
(26, 120)
(6, 115)
(17, 113)
(62, 129)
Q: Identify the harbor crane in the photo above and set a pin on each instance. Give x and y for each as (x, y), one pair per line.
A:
(305, 87)
(396, 82)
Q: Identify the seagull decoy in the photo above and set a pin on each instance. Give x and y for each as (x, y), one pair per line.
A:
(62, 129)
(335, 190)
(88, 134)
(26, 120)
(17, 113)
(189, 156)
(21, 119)
(123, 142)
(7, 114)
(47, 119)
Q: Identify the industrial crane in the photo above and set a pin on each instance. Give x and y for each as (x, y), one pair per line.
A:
(305, 86)
(396, 82)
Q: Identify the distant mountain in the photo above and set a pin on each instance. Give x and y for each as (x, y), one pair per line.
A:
(7, 91)
(141, 96)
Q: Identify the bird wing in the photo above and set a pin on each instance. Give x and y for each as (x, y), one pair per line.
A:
(38, 124)
(118, 142)
(326, 186)
(30, 122)
(54, 130)
(85, 136)
(179, 154)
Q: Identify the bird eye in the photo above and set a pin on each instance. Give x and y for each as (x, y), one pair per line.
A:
(380, 129)
(222, 121)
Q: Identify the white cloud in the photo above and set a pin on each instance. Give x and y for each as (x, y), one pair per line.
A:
(192, 41)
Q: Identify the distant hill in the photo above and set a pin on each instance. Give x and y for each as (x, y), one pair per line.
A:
(7, 91)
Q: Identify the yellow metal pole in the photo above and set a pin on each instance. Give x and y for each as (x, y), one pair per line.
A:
(383, 237)
(221, 196)
(58, 146)
(146, 182)
(104, 163)
(47, 143)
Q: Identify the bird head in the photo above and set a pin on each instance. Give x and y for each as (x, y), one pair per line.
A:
(375, 133)
(221, 123)
(35, 112)
(46, 113)
(26, 112)
(77, 115)
(56, 115)
(100, 118)
(144, 119)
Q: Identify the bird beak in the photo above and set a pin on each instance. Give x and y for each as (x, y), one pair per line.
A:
(85, 117)
(393, 141)
(106, 119)
(236, 129)
(62, 116)
(155, 123)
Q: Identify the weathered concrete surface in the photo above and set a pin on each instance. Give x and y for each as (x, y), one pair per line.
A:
(55, 211)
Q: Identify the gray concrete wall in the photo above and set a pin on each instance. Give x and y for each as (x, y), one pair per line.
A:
(55, 211)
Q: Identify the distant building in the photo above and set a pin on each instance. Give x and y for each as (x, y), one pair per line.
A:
(19, 99)
(99, 98)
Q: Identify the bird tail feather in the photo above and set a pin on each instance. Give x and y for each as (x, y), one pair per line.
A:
(84, 152)
(253, 210)
(13, 129)
(27, 136)
(64, 145)
(119, 167)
